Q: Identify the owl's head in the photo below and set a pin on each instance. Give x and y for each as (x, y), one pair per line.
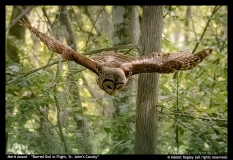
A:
(111, 80)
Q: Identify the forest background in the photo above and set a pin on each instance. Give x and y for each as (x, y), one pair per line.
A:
(57, 108)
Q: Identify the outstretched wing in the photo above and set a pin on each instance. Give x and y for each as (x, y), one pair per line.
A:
(66, 52)
(166, 63)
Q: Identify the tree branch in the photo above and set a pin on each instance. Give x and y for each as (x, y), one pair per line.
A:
(207, 24)
(190, 116)
(198, 134)
(93, 27)
(73, 88)
(32, 71)
(58, 106)
(46, 15)
(65, 20)
(129, 46)
(13, 22)
(49, 122)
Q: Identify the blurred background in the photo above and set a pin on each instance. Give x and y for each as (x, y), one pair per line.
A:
(59, 109)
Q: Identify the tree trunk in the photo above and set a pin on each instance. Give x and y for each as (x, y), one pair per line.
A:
(186, 23)
(81, 122)
(147, 96)
(127, 31)
(17, 31)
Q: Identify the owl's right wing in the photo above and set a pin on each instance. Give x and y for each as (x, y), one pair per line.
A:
(66, 52)
(166, 63)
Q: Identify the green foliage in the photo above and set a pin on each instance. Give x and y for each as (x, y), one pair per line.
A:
(199, 107)
(193, 104)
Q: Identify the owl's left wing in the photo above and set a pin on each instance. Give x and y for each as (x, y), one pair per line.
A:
(66, 51)
(166, 63)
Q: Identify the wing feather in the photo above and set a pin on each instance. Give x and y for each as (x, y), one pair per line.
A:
(166, 63)
(66, 52)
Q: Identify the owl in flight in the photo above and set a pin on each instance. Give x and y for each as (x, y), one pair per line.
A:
(113, 69)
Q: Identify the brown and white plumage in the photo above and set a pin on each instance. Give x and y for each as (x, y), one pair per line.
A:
(113, 69)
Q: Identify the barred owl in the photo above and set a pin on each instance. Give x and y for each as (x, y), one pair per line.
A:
(113, 69)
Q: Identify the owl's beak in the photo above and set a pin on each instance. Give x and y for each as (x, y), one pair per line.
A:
(114, 93)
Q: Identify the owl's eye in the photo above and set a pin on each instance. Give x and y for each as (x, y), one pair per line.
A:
(109, 87)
